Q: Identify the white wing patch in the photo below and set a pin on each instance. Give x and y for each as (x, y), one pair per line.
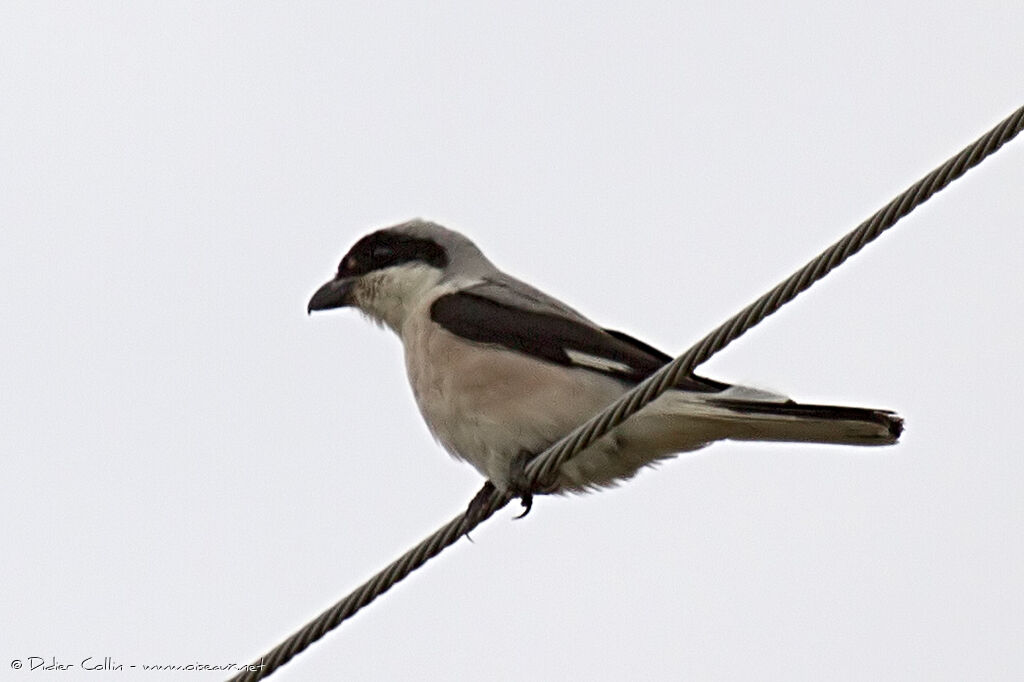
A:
(748, 393)
(595, 362)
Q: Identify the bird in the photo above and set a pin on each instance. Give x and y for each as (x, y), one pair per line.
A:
(501, 370)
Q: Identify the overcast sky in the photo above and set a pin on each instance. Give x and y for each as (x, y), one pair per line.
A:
(192, 468)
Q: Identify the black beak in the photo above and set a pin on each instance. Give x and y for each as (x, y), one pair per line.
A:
(334, 294)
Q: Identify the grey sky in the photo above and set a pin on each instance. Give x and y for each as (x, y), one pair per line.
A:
(192, 468)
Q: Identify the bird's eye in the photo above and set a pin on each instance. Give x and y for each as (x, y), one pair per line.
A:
(382, 252)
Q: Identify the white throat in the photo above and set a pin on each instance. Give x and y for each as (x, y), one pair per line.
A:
(390, 295)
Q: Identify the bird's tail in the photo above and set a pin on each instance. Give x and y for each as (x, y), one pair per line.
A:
(790, 421)
(683, 421)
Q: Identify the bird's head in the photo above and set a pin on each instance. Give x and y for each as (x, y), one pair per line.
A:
(391, 272)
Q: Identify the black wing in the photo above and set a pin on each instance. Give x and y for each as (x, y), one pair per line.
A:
(561, 340)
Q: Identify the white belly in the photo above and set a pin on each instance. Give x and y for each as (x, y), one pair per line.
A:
(485, 404)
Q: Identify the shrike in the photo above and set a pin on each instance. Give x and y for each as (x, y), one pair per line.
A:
(501, 370)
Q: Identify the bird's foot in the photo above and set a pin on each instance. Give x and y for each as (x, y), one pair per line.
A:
(475, 508)
(519, 484)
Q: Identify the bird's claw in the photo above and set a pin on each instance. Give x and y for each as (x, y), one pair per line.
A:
(519, 484)
(526, 499)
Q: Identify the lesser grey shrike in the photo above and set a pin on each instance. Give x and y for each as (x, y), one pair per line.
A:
(500, 370)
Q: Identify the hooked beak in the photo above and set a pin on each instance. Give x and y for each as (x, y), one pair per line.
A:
(334, 294)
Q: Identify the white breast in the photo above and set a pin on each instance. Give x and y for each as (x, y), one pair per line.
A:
(485, 403)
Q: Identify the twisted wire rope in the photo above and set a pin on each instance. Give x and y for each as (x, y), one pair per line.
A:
(544, 466)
